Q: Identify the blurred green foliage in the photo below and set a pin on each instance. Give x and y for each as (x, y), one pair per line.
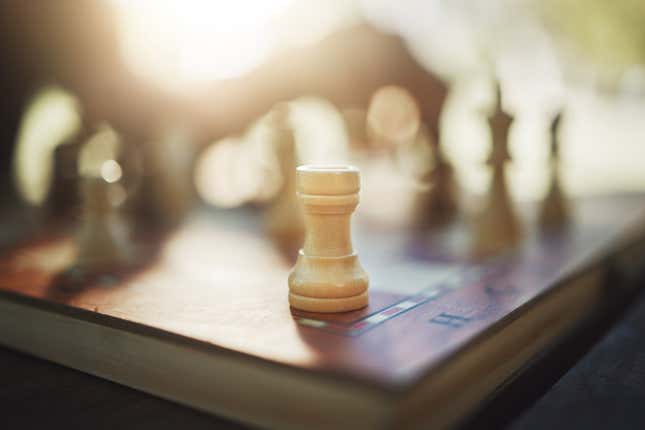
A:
(610, 33)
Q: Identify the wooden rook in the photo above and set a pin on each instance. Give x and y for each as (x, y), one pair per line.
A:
(327, 276)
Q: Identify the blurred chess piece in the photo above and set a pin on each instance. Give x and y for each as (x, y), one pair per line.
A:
(497, 227)
(436, 205)
(399, 158)
(103, 237)
(283, 218)
(168, 183)
(65, 193)
(554, 212)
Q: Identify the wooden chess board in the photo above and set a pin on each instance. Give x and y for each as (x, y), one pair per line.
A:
(204, 319)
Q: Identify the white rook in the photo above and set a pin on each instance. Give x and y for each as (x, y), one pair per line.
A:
(327, 276)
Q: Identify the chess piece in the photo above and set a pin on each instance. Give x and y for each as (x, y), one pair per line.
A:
(283, 218)
(436, 206)
(554, 212)
(103, 236)
(168, 184)
(103, 239)
(498, 227)
(327, 276)
(64, 192)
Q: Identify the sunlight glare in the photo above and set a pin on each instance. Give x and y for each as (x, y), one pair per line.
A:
(191, 42)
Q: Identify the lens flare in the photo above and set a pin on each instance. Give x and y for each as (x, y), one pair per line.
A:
(111, 171)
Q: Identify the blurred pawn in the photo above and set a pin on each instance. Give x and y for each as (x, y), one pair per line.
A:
(436, 203)
(283, 218)
(103, 237)
(554, 212)
(395, 159)
(497, 227)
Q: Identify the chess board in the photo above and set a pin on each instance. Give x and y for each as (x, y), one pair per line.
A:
(204, 320)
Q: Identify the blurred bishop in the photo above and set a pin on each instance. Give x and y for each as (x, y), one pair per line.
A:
(554, 212)
(497, 227)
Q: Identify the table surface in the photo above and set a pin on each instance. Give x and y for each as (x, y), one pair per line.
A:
(605, 389)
